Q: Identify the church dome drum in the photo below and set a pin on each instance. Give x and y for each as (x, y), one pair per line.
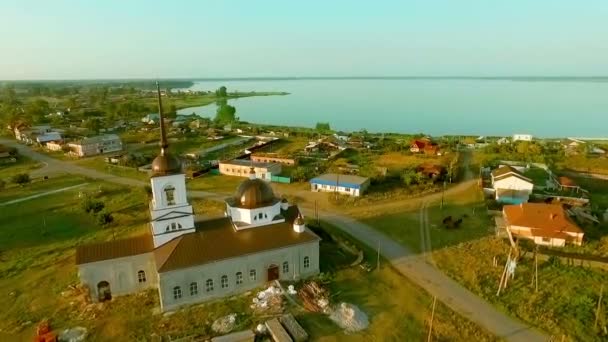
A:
(254, 193)
(165, 164)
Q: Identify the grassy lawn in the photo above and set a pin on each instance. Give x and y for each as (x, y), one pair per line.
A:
(396, 161)
(567, 296)
(13, 191)
(98, 163)
(215, 183)
(538, 176)
(38, 239)
(404, 226)
(397, 309)
(586, 164)
(23, 165)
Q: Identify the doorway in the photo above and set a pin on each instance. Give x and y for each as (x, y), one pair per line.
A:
(103, 291)
(273, 272)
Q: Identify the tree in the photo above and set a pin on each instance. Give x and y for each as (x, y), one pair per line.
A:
(323, 127)
(221, 92)
(93, 124)
(21, 179)
(225, 114)
(91, 206)
(104, 218)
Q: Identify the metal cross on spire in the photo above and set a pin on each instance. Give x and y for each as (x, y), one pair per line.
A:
(163, 136)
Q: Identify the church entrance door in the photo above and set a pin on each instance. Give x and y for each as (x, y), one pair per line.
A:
(273, 272)
(103, 291)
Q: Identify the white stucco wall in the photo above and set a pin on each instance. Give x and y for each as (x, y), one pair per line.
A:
(252, 216)
(260, 262)
(120, 273)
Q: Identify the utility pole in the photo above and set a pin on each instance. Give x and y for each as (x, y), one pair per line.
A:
(443, 194)
(428, 339)
(536, 269)
(378, 257)
(599, 305)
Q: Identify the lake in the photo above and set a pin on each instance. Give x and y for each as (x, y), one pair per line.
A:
(544, 108)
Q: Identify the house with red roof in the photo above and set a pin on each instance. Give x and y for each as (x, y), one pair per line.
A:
(545, 224)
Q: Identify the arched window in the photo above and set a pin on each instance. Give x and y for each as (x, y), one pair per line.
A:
(252, 275)
(209, 285)
(285, 267)
(265, 216)
(170, 194)
(177, 293)
(306, 262)
(224, 281)
(141, 276)
(239, 278)
(193, 289)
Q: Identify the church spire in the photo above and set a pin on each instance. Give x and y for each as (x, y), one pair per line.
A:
(163, 136)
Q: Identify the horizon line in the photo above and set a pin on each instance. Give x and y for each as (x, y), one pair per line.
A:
(246, 78)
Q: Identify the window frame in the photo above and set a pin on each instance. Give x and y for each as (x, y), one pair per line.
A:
(224, 282)
(239, 278)
(253, 275)
(141, 277)
(209, 286)
(193, 288)
(177, 293)
(285, 267)
(306, 262)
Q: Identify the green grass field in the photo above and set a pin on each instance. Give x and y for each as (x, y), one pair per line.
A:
(23, 165)
(538, 176)
(565, 303)
(397, 309)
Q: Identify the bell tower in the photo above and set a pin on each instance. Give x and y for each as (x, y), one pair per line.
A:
(171, 214)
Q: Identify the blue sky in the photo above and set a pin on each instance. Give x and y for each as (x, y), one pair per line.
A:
(148, 39)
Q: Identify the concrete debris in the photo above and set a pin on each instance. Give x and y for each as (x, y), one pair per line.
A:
(224, 325)
(261, 329)
(291, 290)
(314, 297)
(349, 317)
(76, 334)
(268, 299)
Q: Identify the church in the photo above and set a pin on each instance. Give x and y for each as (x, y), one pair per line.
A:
(260, 239)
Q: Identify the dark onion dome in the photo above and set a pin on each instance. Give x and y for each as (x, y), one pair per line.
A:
(254, 193)
(165, 164)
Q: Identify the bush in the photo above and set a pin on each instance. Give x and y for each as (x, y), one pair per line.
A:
(104, 218)
(91, 206)
(21, 178)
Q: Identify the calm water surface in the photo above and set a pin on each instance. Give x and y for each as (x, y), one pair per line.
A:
(484, 107)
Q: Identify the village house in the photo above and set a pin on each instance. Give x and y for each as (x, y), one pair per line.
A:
(273, 158)
(28, 134)
(96, 145)
(342, 184)
(573, 146)
(54, 146)
(241, 168)
(49, 137)
(510, 186)
(545, 224)
(424, 145)
(261, 239)
(328, 145)
(522, 137)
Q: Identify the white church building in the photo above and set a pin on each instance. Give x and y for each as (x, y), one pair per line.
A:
(260, 239)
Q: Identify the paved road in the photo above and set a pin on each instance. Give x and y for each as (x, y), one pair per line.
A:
(407, 263)
(436, 283)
